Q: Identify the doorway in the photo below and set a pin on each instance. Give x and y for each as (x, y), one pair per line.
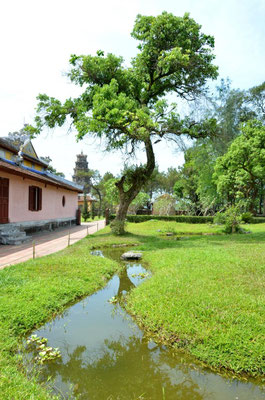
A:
(4, 195)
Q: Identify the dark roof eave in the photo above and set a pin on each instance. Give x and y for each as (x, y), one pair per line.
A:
(9, 167)
(8, 146)
(35, 160)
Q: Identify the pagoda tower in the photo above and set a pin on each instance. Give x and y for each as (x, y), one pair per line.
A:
(81, 172)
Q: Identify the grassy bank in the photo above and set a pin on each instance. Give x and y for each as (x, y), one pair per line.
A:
(206, 295)
(33, 292)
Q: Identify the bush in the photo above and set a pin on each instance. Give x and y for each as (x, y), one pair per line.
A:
(232, 220)
(117, 227)
(219, 218)
(189, 219)
(247, 217)
(258, 220)
(85, 212)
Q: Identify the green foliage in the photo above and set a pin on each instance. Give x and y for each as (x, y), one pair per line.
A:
(111, 192)
(117, 227)
(240, 172)
(232, 220)
(112, 196)
(247, 217)
(55, 172)
(230, 107)
(140, 201)
(256, 96)
(219, 218)
(85, 212)
(93, 211)
(258, 220)
(167, 179)
(177, 218)
(196, 188)
(39, 346)
(164, 205)
(126, 102)
(126, 105)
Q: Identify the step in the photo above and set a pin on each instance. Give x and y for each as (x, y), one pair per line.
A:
(15, 240)
(12, 235)
(10, 229)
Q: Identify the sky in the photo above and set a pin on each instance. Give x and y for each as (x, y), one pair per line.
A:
(37, 39)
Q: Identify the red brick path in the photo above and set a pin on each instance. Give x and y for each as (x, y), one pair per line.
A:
(46, 243)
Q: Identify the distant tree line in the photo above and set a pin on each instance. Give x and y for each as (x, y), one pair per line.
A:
(228, 168)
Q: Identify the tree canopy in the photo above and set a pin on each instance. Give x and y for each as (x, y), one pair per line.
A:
(240, 172)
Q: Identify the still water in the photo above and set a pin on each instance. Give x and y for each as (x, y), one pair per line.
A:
(105, 356)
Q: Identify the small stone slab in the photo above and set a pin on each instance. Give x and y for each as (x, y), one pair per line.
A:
(97, 253)
(130, 255)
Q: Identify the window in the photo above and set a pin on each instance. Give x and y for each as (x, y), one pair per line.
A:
(63, 201)
(35, 198)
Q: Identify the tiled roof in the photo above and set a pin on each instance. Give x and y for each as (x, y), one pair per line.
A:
(10, 145)
(41, 176)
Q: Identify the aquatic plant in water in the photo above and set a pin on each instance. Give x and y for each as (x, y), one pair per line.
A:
(45, 353)
(141, 275)
(113, 300)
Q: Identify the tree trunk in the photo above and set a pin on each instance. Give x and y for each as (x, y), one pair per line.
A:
(118, 225)
(252, 203)
(137, 180)
(100, 200)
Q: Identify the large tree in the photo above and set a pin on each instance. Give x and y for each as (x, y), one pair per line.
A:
(127, 105)
(196, 189)
(240, 173)
(256, 96)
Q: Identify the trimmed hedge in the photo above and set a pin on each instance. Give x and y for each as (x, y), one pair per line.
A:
(190, 219)
(178, 218)
(257, 220)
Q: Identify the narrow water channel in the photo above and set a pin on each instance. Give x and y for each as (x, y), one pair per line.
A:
(105, 356)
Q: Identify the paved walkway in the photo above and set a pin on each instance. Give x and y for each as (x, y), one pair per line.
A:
(46, 243)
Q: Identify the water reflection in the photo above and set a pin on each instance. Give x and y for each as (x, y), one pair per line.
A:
(127, 369)
(105, 356)
(125, 283)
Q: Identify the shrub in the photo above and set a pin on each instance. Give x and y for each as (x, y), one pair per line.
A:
(117, 227)
(232, 220)
(247, 217)
(258, 220)
(85, 213)
(219, 218)
(177, 218)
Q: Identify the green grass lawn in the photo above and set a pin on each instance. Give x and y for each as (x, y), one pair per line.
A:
(92, 219)
(206, 295)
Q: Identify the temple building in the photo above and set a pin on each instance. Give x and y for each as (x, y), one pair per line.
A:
(81, 172)
(81, 177)
(31, 197)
